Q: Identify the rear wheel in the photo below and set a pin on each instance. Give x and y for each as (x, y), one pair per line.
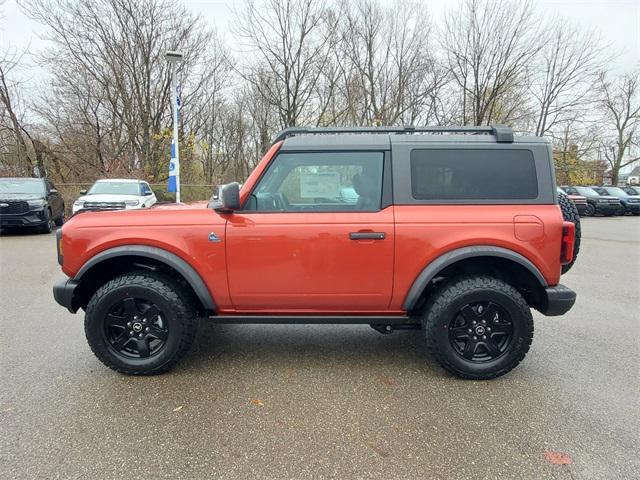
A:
(570, 214)
(140, 323)
(478, 327)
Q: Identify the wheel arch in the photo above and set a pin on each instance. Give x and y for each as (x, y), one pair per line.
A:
(509, 265)
(116, 260)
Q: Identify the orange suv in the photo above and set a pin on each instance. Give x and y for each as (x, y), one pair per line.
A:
(453, 231)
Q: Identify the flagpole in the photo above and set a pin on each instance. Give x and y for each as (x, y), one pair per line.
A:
(175, 129)
(173, 58)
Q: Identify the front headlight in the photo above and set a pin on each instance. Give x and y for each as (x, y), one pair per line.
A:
(602, 200)
(37, 203)
(78, 203)
(131, 203)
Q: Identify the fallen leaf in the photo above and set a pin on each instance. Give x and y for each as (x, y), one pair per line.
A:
(557, 458)
(379, 450)
(177, 409)
(257, 402)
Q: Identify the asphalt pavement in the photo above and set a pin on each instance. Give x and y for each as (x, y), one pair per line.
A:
(340, 402)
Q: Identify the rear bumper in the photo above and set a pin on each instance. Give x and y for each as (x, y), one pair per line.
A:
(560, 299)
(63, 293)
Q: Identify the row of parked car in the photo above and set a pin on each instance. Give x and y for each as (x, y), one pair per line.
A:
(607, 200)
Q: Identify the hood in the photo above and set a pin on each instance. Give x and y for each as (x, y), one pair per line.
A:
(108, 197)
(20, 196)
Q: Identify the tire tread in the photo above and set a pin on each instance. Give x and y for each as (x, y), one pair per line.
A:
(441, 299)
(178, 296)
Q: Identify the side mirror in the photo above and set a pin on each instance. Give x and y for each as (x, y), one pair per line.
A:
(148, 193)
(229, 197)
(83, 192)
(53, 190)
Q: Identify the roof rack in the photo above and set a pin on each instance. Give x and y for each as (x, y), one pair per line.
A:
(503, 133)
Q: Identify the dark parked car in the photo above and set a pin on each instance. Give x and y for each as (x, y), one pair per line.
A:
(578, 200)
(631, 190)
(31, 203)
(630, 203)
(596, 203)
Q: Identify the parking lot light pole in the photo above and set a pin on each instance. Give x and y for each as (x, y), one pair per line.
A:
(174, 58)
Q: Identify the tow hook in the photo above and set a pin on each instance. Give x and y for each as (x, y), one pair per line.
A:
(384, 329)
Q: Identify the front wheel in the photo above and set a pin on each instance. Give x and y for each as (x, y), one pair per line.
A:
(49, 223)
(590, 211)
(478, 327)
(140, 323)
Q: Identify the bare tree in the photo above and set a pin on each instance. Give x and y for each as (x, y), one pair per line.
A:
(289, 42)
(563, 77)
(488, 45)
(388, 70)
(620, 104)
(117, 48)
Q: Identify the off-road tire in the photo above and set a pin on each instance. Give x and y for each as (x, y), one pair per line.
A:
(444, 306)
(570, 214)
(176, 305)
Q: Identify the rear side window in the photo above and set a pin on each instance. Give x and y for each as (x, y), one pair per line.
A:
(468, 174)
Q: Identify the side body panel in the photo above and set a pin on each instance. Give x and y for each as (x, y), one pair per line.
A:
(305, 262)
(425, 232)
(185, 232)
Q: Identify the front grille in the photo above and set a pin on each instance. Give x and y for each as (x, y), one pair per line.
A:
(613, 200)
(104, 205)
(13, 207)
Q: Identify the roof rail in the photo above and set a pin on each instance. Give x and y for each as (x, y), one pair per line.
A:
(503, 133)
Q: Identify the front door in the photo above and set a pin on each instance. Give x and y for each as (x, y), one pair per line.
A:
(314, 235)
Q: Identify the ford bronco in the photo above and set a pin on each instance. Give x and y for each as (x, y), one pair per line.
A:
(453, 231)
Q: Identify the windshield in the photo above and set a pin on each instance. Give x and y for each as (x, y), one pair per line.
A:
(616, 191)
(587, 191)
(115, 188)
(631, 190)
(18, 185)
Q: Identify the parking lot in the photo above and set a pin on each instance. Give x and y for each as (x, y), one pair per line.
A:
(325, 402)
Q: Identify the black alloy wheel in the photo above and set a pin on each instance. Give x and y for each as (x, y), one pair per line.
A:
(481, 331)
(478, 327)
(135, 328)
(141, 323)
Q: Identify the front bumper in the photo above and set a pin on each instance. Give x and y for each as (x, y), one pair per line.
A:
(560, 299)
(607, 208)
(632, 207)
(63, 293)
(32, 218)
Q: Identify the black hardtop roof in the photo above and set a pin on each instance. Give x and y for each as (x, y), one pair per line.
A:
(381, 138)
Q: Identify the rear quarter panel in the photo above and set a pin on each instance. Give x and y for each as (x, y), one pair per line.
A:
(424, 232)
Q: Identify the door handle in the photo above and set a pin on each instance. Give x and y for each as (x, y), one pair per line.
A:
(367, 236)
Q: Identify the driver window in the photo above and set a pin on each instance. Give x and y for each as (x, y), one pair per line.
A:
(320, 182)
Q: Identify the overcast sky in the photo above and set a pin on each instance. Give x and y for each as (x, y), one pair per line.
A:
(618, 21)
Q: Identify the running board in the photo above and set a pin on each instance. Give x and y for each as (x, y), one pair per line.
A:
(316, 319)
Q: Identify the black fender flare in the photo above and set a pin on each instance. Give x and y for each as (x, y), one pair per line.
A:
(453, 256)
(191, 276)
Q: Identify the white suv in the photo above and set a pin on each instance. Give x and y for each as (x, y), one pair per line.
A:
(116, 194)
